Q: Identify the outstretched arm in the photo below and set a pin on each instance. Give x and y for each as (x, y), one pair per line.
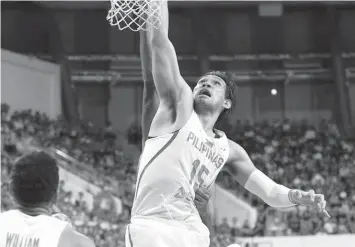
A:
(275, 195)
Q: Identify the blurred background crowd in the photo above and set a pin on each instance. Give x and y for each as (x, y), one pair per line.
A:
(295, 108)
(296, 154)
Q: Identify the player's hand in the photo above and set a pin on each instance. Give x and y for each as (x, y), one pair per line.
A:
(202, 196)
(63, 217)
(310, 199)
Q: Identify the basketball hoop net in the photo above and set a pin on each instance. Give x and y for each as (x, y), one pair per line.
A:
(135, 14)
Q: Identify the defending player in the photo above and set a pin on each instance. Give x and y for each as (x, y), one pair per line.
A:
(34, 187)
(185, 152)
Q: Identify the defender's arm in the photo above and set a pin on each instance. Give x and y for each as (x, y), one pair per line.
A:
(203, 205)
(150, 97)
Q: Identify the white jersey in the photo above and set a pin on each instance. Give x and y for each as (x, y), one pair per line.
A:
(172, 167)
(21, 230)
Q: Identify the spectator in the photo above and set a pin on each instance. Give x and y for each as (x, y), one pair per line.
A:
(224, 227)
(235, 231)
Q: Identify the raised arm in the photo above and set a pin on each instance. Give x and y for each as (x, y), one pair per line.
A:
(174, 94)
(166, 73)
(275, 195)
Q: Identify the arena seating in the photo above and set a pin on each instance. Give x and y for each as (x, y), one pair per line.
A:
(290, 152)
(297, 155)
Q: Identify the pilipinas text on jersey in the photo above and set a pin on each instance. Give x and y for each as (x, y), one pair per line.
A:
(173, 166)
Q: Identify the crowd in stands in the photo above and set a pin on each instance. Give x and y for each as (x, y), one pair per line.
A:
(292, 153)
(24, 129)
(297, 155)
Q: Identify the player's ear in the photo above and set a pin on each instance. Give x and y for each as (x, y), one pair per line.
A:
(227, 104)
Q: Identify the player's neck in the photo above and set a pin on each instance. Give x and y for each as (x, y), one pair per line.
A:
(33, 211)
(208, 121)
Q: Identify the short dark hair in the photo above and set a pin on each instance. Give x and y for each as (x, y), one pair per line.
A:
(34, 179)
(230, 89)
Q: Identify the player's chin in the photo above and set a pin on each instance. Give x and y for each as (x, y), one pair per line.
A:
(203, 100)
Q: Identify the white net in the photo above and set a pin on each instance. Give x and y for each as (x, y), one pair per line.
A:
(135, 14)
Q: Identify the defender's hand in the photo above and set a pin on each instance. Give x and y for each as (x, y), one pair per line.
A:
(310, 199)
(202, 196)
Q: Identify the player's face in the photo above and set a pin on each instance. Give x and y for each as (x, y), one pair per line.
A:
(210, 90)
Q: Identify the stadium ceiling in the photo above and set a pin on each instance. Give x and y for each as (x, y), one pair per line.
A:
(207, 3)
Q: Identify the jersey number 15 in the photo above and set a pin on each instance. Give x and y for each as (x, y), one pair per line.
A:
(200, 174)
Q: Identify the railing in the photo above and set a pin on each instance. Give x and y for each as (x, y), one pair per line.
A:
(227, 57)
(127, 68)
(85, 172)
(346, 240)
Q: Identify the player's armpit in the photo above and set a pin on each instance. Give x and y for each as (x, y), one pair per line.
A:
(239, 164)
(72, 238)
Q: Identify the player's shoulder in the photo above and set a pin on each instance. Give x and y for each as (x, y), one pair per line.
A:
(235, 147)
(174, 111)
(9, 214)
(72, 238)
(3, 216)
(236, 151)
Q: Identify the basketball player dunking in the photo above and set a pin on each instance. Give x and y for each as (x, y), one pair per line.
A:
(34, 187)
(184, 153)
(149, 109)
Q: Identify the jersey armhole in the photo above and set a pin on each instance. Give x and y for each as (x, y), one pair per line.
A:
(172, 133)
(152, 137)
